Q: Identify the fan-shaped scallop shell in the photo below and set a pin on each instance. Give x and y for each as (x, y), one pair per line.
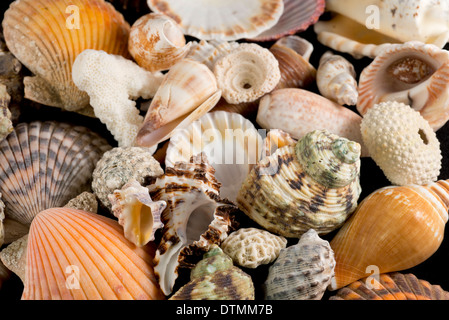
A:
(252, 247)
(302, 271)
(296, 17)
(216, 278)
(221, 20)
(72, 254)
(313, 185)
(413, 73)
(231, 143)
(391, 286)
(47, 36)
(45, 164)
(195, 217)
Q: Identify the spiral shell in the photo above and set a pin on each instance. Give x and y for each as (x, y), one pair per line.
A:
(313, 185)
(215, 278)
(302, 271)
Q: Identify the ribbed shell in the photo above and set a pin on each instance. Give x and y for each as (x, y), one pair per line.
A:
(47, 40)
(62, 241)
(391, 286)
(302, 271)
(282, 197)
(45, 164)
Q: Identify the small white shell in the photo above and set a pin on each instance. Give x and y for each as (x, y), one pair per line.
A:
(252, 247)
(302, 271)
(247, 73)
(156, 42)
(336, 79)
(208, 52)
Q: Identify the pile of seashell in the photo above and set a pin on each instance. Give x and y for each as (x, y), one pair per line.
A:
(229, 150)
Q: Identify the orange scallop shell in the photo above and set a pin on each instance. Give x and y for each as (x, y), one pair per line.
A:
(73, 254)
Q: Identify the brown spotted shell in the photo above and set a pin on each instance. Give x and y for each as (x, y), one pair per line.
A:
(391, 286)
(44, 165)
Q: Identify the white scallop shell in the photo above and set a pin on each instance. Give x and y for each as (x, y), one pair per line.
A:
(231, 143)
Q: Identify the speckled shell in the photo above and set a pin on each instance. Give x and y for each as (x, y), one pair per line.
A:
(314, 184)
(293, 53)
(195, 217)
(413, 73)
(121, 164)
(48, 41)
(302, 271)
(72, 254)
(402, 144)
(215, 278)
(137, 213)
(6, 126)
(252, 247)
(208, 52)
(409, 220)
(230, 20)
(44, 165)
(85, 201)
(391, 286)
(156, 42)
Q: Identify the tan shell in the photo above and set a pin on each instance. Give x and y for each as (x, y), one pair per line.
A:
(302, 271)
(48, 41)
(274, 140)
(336, 79)
(298, 112)
(156, 42)
(252, 247)
(189, 91)
(195, 218)
(208, 52)
(246, 73)
(14, 257)
(218, 20)
(413, 73)
(139, 216)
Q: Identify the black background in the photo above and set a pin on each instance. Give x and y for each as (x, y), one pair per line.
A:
(434, 269)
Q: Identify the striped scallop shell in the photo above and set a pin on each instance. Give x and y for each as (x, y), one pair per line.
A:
(47, 35)
(73, 254)
(391, 286)
(296, 17)
(44, 165)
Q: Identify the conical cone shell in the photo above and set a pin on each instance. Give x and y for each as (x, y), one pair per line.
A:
(393, 229)
(73, 254)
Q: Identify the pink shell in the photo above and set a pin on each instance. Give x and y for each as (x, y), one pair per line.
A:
(296, 17)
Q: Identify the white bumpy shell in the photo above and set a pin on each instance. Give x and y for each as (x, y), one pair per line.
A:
(402, 143)
(252, 247)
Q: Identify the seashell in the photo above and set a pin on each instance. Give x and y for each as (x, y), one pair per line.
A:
(230, 142)
(2, 217)
(302, 271)
(13, 257)
(358, 30)
(252, 247)
(118, 166)
(246, 73)
(44, 165)
(216, 278)
(297, 16)
(73, 254)
(208, 52)
(313, 185)
(195, 218)
(48, 41)
(274, 140)
(412, 73)
(394, 229)
(293, 53)
(6, 126)
(298, 112)
(85, 201)
(137, 213)
(188, 91)
(336, 79)
(230, 20)
(402, 144)
(156, 42)
(391, 286)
